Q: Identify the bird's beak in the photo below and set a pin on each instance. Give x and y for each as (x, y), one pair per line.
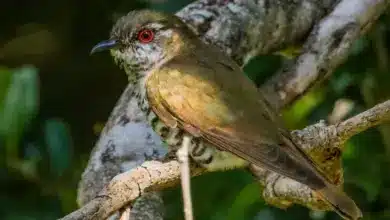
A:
(104, 45)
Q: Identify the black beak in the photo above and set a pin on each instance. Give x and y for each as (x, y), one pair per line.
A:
(104, 45)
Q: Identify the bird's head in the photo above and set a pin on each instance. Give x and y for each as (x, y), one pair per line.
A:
(143, 39)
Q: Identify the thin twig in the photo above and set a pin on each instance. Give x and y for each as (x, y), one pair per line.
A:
(182, 156)
(341, 109)
(125, 215)
(370, 118)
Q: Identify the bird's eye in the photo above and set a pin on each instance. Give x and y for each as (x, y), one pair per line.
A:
(145, 36)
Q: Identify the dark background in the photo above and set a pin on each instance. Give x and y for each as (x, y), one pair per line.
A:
(55, 98)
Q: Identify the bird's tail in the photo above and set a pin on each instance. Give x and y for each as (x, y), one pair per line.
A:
(341, 203)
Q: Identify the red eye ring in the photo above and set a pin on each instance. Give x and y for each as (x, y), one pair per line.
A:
(145, 36)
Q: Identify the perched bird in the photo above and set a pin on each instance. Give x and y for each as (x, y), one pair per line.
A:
(187, 87)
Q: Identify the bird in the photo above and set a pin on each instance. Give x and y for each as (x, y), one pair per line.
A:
(186, 87)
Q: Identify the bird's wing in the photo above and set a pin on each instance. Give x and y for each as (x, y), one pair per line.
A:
(221, 105)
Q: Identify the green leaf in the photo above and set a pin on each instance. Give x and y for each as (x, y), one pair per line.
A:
(265, 214)
(18, 106)
(340, 84)
(364, 174)
(5, 77)
(245, 199)
(58, 143)
(295, 117)
(359, 45)
(260, 68)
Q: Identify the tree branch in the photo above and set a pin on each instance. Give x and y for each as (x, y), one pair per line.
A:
(361, 122)
(128, 186)
(327, 46)
(242, 29)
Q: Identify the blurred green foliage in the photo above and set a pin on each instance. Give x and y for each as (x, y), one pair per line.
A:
(52, 94)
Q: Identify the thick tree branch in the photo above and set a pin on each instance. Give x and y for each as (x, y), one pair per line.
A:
(128, 186)
(242, 29)
(326, 48)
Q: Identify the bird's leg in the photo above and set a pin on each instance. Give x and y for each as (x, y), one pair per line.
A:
(212, 159)
(200, 153)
